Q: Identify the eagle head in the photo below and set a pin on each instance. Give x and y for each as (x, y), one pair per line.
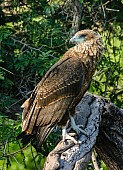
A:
(83, 36)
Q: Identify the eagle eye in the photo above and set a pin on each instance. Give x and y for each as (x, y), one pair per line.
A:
(82, 36)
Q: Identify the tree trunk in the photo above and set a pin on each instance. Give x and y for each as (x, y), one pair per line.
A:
(103, 123)
(110, 139)
(77, 14)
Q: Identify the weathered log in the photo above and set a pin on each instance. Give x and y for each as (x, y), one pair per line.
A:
(101, 118)
(110, 139)
(77, 14)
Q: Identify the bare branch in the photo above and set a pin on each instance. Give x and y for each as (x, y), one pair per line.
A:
(115, 10)
(93, 157)
(91, 112)
(13, 153)
(25, 44)
(70, 156)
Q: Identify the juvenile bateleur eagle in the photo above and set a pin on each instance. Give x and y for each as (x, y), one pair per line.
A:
(54, 99)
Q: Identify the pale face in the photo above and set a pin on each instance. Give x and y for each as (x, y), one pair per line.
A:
(83, 36)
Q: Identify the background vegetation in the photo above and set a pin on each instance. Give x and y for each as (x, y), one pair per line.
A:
(33, 36)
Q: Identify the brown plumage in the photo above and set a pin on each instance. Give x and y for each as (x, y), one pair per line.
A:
(62, 87)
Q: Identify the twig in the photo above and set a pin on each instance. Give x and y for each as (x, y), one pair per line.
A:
(11, 154)
(93, 157)
(103, 10)
(14, 103)
(34, 159)
(33, 48)
(6, 70)
(5, 146)
(106, 3)
(16, 160)
(115, 10)
(27, 45)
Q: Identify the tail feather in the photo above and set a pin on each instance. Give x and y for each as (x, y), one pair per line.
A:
(38, 137)
(42, 135)
(25, 139)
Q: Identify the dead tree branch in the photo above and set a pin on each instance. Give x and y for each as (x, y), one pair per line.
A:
(77, 14)
(98, 116)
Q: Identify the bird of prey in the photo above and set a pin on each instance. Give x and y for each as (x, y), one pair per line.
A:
(54, 99)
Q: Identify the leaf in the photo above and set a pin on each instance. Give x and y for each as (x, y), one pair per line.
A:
(2, 77)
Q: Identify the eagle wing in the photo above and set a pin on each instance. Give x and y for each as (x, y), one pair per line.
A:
(52, 97)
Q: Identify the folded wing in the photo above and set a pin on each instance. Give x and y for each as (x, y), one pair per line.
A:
(51, 98)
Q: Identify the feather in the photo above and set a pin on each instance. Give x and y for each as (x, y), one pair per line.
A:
(60, 90)
(41, 135)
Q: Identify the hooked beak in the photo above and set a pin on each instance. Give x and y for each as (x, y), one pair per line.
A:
(72, 40)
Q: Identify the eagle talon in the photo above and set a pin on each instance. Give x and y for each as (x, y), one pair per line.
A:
(77, 127)
(72, 134)
(67, 136)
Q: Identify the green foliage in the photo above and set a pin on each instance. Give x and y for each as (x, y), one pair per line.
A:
(108, 79)
(34, 35)
(103, 166)
(3, 36)
(18, 159)
(29, 47)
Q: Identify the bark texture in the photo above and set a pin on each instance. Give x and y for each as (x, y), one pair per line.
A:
(101, 118)
(110, 139)
(77, 14)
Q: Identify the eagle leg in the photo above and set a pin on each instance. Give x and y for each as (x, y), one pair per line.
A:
(66, 136)
(75, 127)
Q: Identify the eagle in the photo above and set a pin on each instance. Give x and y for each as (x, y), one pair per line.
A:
(53, 101)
